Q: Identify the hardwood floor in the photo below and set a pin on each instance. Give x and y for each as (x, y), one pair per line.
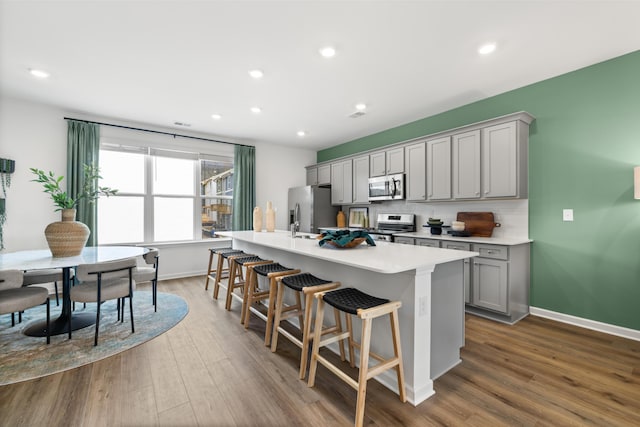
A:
(209, 371)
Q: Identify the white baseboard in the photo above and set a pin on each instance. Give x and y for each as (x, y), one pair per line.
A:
(619, 331)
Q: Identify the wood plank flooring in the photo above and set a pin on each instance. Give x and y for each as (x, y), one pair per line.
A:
(209, 371)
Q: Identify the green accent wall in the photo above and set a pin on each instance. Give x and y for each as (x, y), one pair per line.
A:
(583, 147)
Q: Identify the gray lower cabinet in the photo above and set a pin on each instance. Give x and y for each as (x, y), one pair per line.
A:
(496, 283)
(500, 282)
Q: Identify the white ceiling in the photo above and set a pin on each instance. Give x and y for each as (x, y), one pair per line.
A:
(160, 62)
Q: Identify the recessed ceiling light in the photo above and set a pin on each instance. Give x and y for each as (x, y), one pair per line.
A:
(328, 52)
(301, 133)
(256, 110)
(487, 48)
(38, 73)
(256, 74)
(361, 106)
(216, 116)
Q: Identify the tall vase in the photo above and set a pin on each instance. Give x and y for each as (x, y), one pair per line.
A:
(67, 237)
(270, 215)
(257, 219)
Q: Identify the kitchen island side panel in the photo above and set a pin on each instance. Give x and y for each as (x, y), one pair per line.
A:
(424, 315)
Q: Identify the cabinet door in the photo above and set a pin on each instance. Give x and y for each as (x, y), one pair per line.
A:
(337, 184)
(416, 171)
(361, 179)
(466, 165)
(466, 266)
(378, 164)
(395, 161)
(439, 169)
(347, 189)
(499, 161)
(324, 174)
(490, 287)
(312, 176)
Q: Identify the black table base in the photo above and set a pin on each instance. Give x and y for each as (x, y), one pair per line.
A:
(61, 325)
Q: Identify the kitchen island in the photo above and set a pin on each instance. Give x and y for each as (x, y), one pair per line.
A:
(428, 282)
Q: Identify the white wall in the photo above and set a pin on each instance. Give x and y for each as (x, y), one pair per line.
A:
(35, 135)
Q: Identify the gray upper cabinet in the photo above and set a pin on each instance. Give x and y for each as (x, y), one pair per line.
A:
(324, 174)
(312, 175)
(439, 169)
(504, 161)
(361, 180)
(416, 171)
(480, 161)
(466, 165)
(342, 182)
(386, 162)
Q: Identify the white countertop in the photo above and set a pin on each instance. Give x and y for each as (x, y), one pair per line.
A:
(385, 257)
(507, 241)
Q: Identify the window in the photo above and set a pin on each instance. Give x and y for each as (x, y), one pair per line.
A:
(163, 195)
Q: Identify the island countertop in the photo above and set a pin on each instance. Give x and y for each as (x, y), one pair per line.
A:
(385, 257)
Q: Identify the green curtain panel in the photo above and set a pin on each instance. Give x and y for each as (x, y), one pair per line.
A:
(244, 187)
(83, 146)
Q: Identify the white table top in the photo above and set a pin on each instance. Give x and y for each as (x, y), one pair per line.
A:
(385, 257)
(42, 259)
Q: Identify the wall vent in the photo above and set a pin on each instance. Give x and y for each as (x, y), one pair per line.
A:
(357, 114)
(182, 124)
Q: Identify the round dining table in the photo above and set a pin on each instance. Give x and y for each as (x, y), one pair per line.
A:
(42, 259)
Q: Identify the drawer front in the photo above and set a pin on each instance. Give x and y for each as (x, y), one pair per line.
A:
(492, 251)
(403, 240)
(432, 243)
(459, 246)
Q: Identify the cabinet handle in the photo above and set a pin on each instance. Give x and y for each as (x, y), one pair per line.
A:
(490, 252)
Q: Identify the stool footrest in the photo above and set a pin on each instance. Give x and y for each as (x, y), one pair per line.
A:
(344, 377)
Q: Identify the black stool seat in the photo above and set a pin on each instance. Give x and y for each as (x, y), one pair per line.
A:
(221, 250)
(350, 300)
(298, 282)
(251, 258)
(265, 269)
(231, 253)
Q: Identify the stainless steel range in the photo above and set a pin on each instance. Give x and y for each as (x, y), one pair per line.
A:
(389, 224)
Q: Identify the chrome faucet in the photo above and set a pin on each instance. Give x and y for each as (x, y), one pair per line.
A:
(295, 226)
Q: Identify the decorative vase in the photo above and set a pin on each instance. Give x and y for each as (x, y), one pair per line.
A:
(67, 237)
(341, 220)
(270, 216)
(257, 219)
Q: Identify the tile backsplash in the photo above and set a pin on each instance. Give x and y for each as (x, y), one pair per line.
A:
(513, 215)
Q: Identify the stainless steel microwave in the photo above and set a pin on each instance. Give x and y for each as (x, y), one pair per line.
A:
(389, 187)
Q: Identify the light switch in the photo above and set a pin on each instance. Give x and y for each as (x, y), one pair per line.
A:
(567, 214)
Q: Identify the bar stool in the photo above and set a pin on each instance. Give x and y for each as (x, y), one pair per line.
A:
(354, 302)
(307, 285)
(255, 294)
(220, 269)
(210, 270)
(236, 262)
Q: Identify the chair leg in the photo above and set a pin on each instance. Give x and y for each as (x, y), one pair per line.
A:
(69, 321)
(13, 320)
(233, 274)
(55, 284)
(95, 341)
(216, 282)
(206, 283)
(364, 370)
(130, 311)
(395, 333)
(306, 335)
(48, 322)
(352, 346)
(277, 315)
(19, 317)
(317, 333)
(154, 288)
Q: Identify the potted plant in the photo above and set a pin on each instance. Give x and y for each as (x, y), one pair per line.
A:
(68, 237)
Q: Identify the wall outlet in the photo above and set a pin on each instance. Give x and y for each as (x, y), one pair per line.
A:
(567, 214)
(422, 306)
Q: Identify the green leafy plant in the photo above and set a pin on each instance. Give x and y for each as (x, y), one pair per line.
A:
(90, 189)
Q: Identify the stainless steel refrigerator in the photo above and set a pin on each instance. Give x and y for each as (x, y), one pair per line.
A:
(313, 205)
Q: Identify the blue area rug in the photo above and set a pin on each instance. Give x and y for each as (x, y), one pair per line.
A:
(24, 358)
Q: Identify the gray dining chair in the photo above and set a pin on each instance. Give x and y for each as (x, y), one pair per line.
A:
(40, 277)
(15, 298)
(104, 281)
(149, 273)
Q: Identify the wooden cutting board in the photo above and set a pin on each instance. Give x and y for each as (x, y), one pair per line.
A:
(479, 224)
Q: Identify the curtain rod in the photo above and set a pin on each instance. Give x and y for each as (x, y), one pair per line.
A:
(156, 131)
